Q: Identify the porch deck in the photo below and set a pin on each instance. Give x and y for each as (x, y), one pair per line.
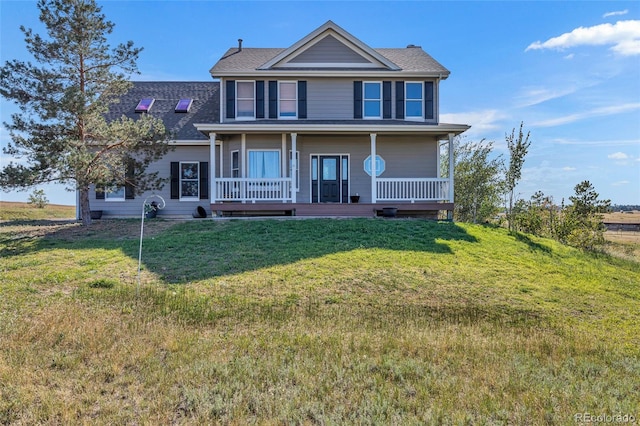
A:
(427, 209)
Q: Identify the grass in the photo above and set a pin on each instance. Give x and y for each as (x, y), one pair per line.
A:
(23, 211)
(311, 321)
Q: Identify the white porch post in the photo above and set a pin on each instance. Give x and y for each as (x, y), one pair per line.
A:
(451, 165)
(243, 165)
(212, 166)
(293, 173)
(374, 188)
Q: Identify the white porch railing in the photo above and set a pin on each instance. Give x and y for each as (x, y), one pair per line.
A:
(253, 189)
(412, 189)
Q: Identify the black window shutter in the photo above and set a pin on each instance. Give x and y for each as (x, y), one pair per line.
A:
(273, 99)
(302, 99)
(428, 100)
(99, 192)
(129, 189)
(400, 99)
(260, 99)
(231, 98)
(175, 180)
(204, 180)
(357, 99)
(386, 99)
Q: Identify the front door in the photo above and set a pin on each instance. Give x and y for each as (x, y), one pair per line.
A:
(329, 178)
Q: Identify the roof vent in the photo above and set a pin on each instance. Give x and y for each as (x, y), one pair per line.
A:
(239, 44)
(413, 46)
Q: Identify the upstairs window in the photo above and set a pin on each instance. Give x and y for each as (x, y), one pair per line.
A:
(288, 99)
(372, 100)
(245, 100)
(413, 101)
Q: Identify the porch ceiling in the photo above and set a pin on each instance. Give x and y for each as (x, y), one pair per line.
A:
(441, 130)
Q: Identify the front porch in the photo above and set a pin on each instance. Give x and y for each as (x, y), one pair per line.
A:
(324, 173)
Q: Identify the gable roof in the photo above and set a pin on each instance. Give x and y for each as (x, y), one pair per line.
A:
(358, 52)
(167, 94)
(328, 48)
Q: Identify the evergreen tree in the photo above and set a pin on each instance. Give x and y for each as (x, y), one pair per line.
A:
(584, 227)
(60, 129)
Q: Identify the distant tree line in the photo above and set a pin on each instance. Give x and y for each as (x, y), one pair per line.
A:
(485, 186)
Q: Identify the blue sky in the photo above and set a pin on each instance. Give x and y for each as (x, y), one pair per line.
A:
(569, 70)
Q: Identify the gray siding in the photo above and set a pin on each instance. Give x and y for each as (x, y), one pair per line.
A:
(405, 156)
(329, 50)
(332, 98)
(173, 207)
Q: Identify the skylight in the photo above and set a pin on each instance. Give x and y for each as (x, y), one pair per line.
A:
(145, 105)
(184, 105)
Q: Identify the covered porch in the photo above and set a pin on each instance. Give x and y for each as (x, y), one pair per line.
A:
(234, 192)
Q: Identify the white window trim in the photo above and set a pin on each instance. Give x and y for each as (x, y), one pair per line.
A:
(189, 198)
(253, 99)
(265, 150)
(365, 99)
(414, 117)
(287, 117)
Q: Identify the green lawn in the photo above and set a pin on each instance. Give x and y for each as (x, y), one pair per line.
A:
(311, 321)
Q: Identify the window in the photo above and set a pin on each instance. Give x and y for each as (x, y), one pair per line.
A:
(189, 180)
(145, 105)
(184, 105)
(372, 100)
(264, 164)
(413, 100)
(235, 164)
(245, 101)
(288, 99)
(115, 193)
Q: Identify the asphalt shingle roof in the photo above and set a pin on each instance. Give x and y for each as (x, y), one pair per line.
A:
(409, 59)
(204, 109)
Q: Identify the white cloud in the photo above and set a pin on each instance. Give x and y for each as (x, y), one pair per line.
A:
(569, 56)
(569, 169)
(621, 182)
(480, 121)
(623, 35)
(596, 112)
(618, 156)
(616, 13)
(535, 96)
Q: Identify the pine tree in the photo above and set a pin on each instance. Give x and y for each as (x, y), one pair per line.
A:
(60, 129)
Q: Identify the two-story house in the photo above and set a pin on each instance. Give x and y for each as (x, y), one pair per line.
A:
(327, 126)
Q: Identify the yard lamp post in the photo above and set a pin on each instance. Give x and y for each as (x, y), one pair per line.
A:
(144, 207)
